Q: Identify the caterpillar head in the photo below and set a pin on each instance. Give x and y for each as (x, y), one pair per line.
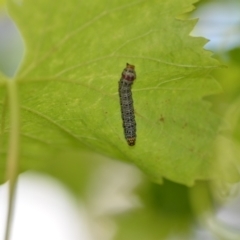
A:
(129, 73)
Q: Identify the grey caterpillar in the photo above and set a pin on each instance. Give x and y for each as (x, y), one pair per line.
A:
(126, 102)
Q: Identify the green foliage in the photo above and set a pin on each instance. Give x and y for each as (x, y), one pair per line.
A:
(2, 2)
(167, 212)
(75, 52)
(227, 104)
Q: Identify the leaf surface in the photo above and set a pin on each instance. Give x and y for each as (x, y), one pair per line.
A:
(68, 85)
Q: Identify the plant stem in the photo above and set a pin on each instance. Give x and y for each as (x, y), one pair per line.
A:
(13, 150)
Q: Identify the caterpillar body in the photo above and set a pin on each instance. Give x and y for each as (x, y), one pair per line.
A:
(126, 102)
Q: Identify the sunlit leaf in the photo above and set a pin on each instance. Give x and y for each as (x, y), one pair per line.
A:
(68, 85)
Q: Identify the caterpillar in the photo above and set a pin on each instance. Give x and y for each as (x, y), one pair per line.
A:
(126, 102)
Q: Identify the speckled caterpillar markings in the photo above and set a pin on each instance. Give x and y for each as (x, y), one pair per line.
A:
(126, 101)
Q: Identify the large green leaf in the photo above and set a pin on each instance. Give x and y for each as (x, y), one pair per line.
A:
(2, 3)
(68, 85)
